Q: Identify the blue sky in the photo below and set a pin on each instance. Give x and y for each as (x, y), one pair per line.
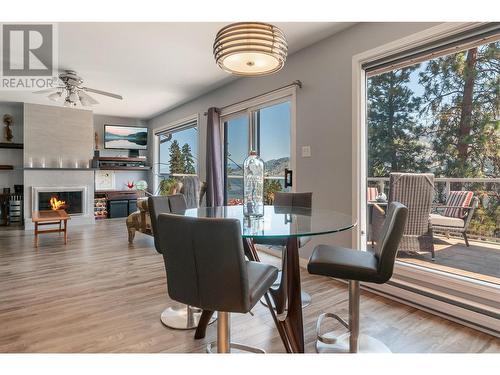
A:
(417, 88)
(274, 134)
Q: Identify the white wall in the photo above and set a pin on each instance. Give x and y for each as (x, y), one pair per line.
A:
(324, 115)
(121, 177)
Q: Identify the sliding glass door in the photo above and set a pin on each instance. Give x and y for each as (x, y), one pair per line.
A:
(267, 130)
(434, 109)
(440, 116)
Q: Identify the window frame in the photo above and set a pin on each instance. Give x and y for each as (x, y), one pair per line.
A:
(249, 108)
(192, 121)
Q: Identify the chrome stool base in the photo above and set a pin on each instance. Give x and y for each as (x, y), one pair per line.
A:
(212, 348)
(223, 343)
(366, 344)
(352, 341)
(182, 317)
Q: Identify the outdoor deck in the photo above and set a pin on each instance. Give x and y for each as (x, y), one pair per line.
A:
(480, 261)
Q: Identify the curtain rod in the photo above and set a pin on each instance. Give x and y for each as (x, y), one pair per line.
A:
(297, 83)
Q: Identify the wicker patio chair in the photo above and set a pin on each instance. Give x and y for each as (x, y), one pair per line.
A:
(456, 215)
(415, 191)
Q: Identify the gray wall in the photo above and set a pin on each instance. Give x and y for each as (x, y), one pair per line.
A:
(12, 156)
(324, 115)
(121, 177)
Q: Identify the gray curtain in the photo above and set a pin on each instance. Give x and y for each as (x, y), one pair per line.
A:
(215, 192)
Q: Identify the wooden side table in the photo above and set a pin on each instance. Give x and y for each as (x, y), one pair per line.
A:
(50, 217)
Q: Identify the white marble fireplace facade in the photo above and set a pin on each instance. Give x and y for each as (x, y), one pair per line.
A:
(64, 180)
(62, 137)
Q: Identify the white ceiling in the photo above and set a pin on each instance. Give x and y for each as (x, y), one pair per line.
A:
(154, 66)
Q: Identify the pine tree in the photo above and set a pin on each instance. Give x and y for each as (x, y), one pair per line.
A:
(462, 92)
(463, 95)
(187, 159)
(176, 160)
(393, 129)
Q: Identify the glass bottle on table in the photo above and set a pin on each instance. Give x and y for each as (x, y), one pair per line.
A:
(253, 186)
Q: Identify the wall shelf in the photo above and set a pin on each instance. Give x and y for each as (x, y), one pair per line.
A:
(125, 168)
(11, 145)
(57, 169)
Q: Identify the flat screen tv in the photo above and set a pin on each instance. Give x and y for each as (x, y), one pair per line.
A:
(125, 137)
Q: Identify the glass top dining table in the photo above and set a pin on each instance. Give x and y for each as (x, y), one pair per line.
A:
(287, 224)
(280, 222)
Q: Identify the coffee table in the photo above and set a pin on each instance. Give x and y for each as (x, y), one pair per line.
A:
(50, 217)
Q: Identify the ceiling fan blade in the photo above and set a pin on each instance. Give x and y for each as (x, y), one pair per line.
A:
(102, 93)
(87, 99)
(46, 91)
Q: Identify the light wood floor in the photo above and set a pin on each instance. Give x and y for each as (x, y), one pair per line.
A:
(98, 294)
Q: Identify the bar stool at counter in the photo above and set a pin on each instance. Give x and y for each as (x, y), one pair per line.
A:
(355, 266)
(206, 268)
(182, 317)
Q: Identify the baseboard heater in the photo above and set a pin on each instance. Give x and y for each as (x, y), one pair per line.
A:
(445, 306)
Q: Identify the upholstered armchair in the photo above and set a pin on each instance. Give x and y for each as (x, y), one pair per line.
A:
(140, 221)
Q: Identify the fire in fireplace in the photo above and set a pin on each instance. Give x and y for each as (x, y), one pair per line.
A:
(71, 201)
(56, 204)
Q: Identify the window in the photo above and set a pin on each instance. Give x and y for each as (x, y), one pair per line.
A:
(266, 129)
(178, 148)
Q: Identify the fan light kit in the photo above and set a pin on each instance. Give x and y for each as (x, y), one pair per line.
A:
(250, 48)
(73, 92)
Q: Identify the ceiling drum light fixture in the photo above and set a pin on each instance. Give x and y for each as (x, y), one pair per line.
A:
(250, 48)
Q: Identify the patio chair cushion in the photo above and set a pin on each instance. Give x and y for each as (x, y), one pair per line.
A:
(458, 198)
(445, 221)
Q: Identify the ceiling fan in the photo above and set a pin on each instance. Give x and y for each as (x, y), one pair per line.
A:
(73, 92)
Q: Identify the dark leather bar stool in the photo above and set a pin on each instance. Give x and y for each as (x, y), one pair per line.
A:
(355, 266)
(294, 200)
(206, 268)
(182, 317)
(178, 204)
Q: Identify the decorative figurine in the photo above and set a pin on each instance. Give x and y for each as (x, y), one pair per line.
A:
(8, 120)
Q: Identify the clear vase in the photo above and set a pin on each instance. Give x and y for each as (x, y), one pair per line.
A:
(253, 186)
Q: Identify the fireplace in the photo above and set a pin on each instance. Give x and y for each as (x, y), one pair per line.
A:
(71, 199)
